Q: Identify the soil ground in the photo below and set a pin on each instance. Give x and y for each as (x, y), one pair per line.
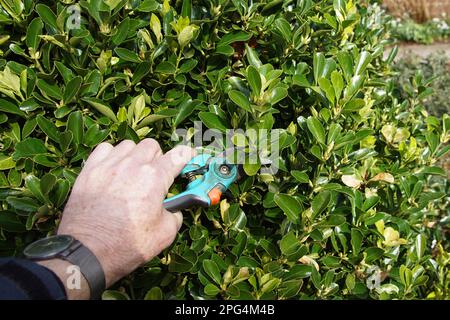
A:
(422, 50)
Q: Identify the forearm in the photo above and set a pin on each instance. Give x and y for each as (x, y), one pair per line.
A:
(75, 284)
(23, 279)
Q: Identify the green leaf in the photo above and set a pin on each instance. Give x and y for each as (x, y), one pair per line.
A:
(300, 176)
(211, 290)
(187, 35)
(51, 90)
(316, 128)
(392, 55)
(33, 31)
(289, 244)
(234, 37)
(212, 270)
(187, 66)
(300, 80)
(277, 94)
(186, 8)
(272, 7)
(226, 50)
(72, 88)
(65, 72)
(65, 140)
(354, 105)
(48, 128)
(166, 67)
(270, 248)
(290, 206)
(28, 127)
(10, 221)
(141, 71)
(333, 221)
(320, 202)
(180, 264)
(254, 80)
(121, 32)
(405, 276)
(186, 107)
(6, 163)
(299, 271)
(252, 57)
(283, 26)
(251, 169)
(15, 178)
(373, 253)
(318, 65)
(47, 16)
(28, 148)
(327, 87)
(6, 106)
(23, 204)
(155, 25)
(432, 170)
(114, 295)
(212, 121)
(290, 289)
(148, 6)
(356, 241)
(127, 55)
(61, 192)
(240, 99)
(420, 245)
(346, 64)
(331, 261)
(34, 185)
(150, 119)
(338, 84)
(47, 183)
(94, 135)
(154, 293)
(44, 160)
(270, 285)
(364, 59)
(94, 79)
(75, 124)
(101, 107)
(353, 87)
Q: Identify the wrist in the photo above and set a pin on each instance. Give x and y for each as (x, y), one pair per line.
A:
(101, 251)
(73, 280)
(70, 260)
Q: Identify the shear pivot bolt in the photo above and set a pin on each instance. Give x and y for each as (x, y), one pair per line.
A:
(190, 176)
(224, 169)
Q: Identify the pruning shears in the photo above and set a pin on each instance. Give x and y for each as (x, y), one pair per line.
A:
(209, 177)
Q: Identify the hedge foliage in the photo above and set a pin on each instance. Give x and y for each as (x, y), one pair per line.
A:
(434, 66)
(358, 208)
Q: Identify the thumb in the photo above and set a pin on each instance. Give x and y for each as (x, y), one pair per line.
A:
(170, 224)
(171, 163)
(174, 218)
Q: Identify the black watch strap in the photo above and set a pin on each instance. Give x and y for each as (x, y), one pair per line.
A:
(80, 256)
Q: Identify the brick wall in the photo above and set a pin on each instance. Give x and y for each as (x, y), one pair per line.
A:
(419, 10)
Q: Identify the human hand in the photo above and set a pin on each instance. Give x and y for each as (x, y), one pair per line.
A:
(116, 205)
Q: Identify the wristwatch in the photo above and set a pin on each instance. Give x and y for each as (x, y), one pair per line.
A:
(67, 248)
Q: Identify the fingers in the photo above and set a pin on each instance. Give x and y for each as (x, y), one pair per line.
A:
(171, 164)
(100, 153)
(122, 150)
(146, 151)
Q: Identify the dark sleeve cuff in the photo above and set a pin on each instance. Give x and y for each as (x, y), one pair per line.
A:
(22, 279)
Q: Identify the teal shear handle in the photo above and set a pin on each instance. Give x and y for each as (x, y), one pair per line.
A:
(208, 178)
